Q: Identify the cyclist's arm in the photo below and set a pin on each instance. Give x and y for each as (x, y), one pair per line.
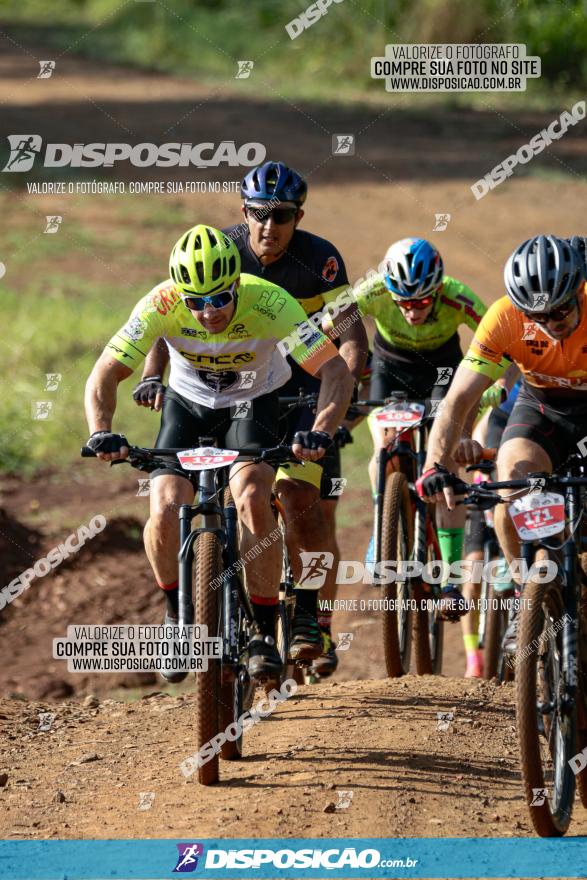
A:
(157, 360)
(343, 321)
(336, 388)
(462, 397)
(101, 387)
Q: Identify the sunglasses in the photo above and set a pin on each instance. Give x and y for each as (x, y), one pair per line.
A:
(555, 315)
(418, 304)
(216, 300)
(281, 216)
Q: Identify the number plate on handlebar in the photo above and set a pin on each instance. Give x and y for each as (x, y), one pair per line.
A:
(402, 415)
(206, 458)
(538, 515)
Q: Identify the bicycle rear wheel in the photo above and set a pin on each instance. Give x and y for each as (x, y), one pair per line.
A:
(546, 732)
(234, 690)
(495, 627)
(207, 569)
(428, 625)
(396, 544)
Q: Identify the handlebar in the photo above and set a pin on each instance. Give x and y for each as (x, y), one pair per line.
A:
(151, 459)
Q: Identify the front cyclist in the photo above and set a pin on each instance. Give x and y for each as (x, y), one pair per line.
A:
(209, 316)
(311, 269)
(541, 326)
(417, 311)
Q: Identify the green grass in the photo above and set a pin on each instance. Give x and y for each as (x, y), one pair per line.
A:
(329, 60)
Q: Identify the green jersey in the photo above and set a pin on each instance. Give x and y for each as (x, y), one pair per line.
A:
(244, 361)
(456, 304)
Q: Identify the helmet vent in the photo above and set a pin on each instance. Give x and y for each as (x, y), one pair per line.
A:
(212, 237)
(185, 275)
(200, 272)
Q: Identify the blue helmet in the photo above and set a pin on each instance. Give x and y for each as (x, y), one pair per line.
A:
(412, 268)
(274, 180)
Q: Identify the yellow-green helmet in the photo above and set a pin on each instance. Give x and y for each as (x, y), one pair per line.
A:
(204, 261)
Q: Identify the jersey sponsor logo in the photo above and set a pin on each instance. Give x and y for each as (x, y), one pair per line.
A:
(135, 329)
(189, 331)
(218, 361)
(270, 303)
(166, 299)
(218, 381)
(308, 334)
(559, 381)
(239, 331)
(330, 269)
(469, 359)
(119, 351)
(484, 348)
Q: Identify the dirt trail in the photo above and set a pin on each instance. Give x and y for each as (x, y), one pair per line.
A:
(375, 739)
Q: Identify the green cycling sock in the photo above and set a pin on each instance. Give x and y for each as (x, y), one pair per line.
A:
(451, 545)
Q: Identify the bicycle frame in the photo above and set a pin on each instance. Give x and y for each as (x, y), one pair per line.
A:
(222, 522)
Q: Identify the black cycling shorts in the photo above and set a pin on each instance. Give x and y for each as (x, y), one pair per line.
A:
(496, 423)
(474, 531)
(557, 429)
(302, 419)
(184, 422)
(416, 373)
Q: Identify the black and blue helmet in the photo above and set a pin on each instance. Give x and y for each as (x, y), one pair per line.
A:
(274, 180)
(412, 269)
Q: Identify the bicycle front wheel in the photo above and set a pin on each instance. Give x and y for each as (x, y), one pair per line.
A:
(546, 727)
(208, 567)
(396, 544)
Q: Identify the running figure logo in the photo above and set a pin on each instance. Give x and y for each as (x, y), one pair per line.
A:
(444, 375)
(537, 485)
(343, 144)
(539, 301)
(344, 641)
(53, 380)
(24, 149)
(242, 409)
(441, 222)
(529, 331)
(187, 861)
(247, 377)
(314, 567)
(539, 795)
(244, 69)
(338, 484)
(47, 68)
(53, 224)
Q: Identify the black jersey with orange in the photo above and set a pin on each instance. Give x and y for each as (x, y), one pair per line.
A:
(310, 269)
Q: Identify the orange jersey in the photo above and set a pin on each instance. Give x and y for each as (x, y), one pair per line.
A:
(543, 362)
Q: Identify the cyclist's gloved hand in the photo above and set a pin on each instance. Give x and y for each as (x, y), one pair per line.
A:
(149, 392)
(437, 478)
(342, 437)
(493, 396)
(312, 444)
(108, 444)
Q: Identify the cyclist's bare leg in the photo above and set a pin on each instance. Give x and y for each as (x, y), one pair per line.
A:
(305, 526)
(381, 437)
(329, 590)
(516, 458)
(161, 533)
(470, 622)
(306, 532)
(251, 489)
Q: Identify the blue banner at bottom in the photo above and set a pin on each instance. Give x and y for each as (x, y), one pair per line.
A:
(366, 858)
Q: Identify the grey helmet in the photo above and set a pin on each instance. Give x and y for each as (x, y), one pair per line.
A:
(543, 273)
(580, 244)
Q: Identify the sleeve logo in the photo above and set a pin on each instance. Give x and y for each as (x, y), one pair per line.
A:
(330, 270)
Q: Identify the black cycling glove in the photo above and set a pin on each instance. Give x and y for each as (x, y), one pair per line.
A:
(147, 390)
(312, 439)
(342, 437)
(437, 478)
(106, 441)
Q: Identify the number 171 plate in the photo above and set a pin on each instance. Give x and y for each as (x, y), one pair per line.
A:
(538, 515)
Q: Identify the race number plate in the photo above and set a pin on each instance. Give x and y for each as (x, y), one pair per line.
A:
(403, 415)
(206, 458)
(538, 515)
